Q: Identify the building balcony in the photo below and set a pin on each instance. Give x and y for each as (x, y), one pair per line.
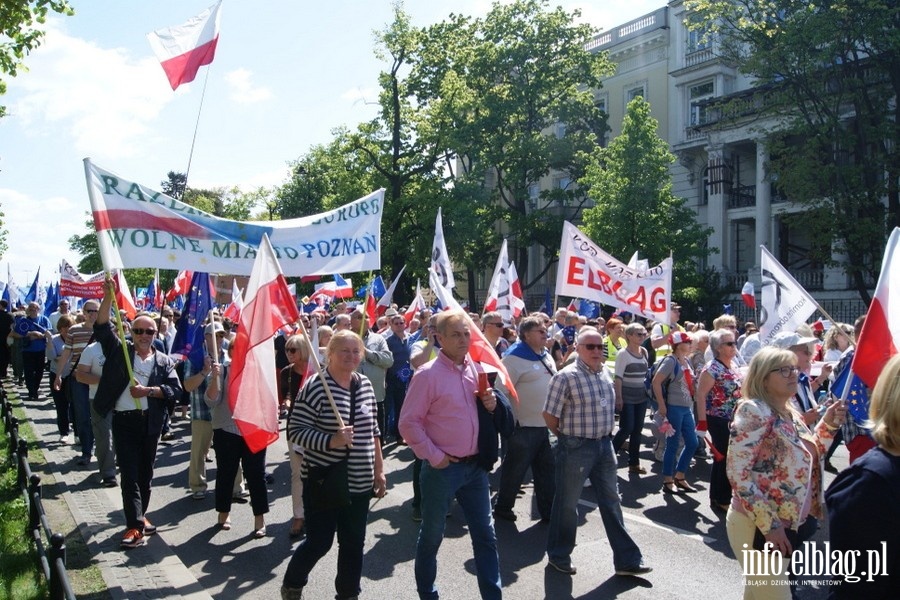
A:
(742, 196)
(697, 56)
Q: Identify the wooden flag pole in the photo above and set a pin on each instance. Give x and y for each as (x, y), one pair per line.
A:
(121, 331)
(321, 374)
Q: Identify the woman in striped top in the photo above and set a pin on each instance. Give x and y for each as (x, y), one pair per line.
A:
(314, 426)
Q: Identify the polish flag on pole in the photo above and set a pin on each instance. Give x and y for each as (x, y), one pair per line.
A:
(515, 289)
(748, 294)
(180, 286)
(252, 390)
(879, 339)
(124, 299)
(233, 311)
(184, 48)
(480, 349)
(415, 306)
(385, 302)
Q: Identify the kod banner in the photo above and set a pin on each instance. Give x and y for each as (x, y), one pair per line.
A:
(141, 227)
(587, 271)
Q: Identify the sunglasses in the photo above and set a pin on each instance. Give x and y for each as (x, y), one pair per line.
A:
(291, 350)
(139, 331)
(497, 324)
(592, 347)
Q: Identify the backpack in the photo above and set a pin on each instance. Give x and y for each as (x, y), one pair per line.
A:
(651, 373)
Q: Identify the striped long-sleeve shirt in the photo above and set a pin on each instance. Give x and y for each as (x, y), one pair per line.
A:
(313, 424)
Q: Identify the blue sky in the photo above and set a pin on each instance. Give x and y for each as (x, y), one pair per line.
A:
(285, 74)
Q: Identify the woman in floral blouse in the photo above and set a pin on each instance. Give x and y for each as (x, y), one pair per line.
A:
(771, 468)
(718, 391)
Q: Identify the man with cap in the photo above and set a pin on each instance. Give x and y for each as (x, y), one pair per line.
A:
(659, 335)
(805, 398)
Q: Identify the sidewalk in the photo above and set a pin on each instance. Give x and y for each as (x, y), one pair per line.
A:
(153, 572)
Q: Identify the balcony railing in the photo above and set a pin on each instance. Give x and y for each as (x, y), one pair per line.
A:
(695, 57)
(742, 196)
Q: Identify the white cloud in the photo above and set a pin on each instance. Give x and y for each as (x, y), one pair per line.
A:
(38, 230)
(243, 90)
(102, 98)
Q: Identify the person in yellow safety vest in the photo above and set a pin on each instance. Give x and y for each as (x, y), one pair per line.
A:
(615, 341)
(659, 336)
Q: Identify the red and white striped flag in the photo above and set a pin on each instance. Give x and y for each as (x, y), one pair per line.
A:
(233, 311)
(748, 294)
(879, 339)
(385, 302)
(252, 389)
(184, 48)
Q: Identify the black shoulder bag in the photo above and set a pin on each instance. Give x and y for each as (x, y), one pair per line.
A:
(329, 486)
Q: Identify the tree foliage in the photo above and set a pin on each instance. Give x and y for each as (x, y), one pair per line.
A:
(634, 207)
(3, 232)
(20, 32)
(827, 72)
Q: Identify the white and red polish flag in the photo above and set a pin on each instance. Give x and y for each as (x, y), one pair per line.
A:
(124, 299)
(184, 48)
(748, 295)
(385, 302)
(415, 306)
(515, 289)
(252, 389)
(480, 349)
(180, 286)
(233, 311)
(879, 339)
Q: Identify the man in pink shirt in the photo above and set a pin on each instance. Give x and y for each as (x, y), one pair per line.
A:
(440, 422)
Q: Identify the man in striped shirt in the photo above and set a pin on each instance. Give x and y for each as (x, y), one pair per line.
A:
(579, 411)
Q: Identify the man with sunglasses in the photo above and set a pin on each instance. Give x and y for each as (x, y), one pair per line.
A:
(580, 411)
(138, 403)
(76, 341)
(492, 325)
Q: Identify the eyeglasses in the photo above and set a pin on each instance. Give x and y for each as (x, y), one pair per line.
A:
(729, 343)
(592, 347)
(786, 372)
(139, 331)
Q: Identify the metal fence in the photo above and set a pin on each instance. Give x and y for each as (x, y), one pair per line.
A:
(50, 545)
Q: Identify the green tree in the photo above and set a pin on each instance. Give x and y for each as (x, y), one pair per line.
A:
(517, 91)
(21, 33)
(173, 185)
(634, 207)
(827, 75)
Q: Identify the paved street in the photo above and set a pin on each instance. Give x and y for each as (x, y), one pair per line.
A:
(680, 536)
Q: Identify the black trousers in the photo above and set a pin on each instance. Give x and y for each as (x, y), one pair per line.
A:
(232, 450)
(135, 447)
(33, 367)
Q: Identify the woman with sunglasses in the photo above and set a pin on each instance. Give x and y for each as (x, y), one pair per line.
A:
(290, 380)
(718, 392)
(631, 394)
(675, 405)
(770, 466)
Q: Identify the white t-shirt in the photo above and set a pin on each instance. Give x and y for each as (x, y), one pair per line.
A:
(143, 368)
(92, 356)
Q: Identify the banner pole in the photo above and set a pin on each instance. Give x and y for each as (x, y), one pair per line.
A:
(196, 128)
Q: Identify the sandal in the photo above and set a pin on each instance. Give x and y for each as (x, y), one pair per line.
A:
(669, 487)
(224, 525)
(682, 484)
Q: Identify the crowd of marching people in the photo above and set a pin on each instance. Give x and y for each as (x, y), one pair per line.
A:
(582, 400)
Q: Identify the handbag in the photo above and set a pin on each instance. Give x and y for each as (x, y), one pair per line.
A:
(329, 485)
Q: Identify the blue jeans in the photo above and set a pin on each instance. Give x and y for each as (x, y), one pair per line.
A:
(469, 484)
(527, 447)
(578, 459)
(82, 409)
(631, 424)
(682, 419)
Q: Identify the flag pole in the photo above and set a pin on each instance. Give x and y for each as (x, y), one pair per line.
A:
(214, 349)
(196, 128)
(315, 355)
(121, 331)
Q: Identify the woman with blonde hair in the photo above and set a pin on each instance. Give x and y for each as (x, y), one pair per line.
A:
(863, 499)
(770, 467)
(838, 338)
